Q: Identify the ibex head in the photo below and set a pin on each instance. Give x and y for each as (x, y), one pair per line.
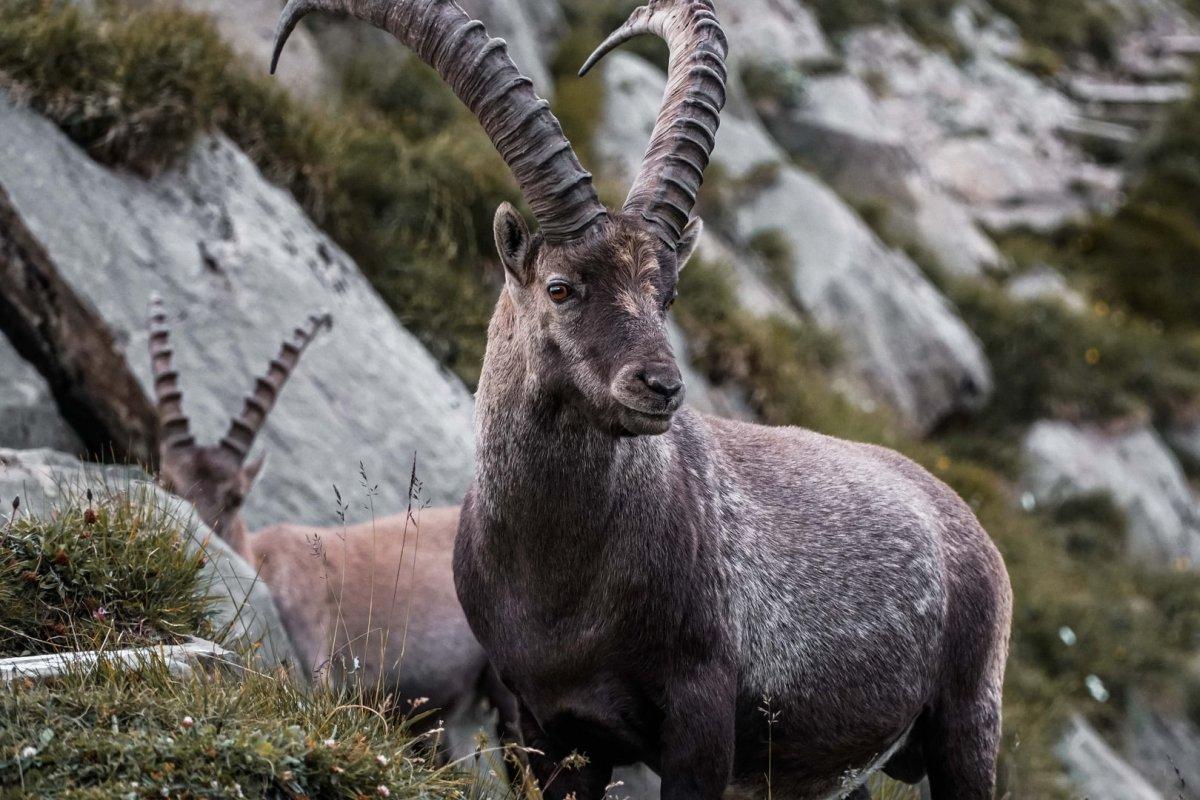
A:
(586, 296)
(216, 479)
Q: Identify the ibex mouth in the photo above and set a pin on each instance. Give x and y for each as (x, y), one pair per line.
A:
(645, 423)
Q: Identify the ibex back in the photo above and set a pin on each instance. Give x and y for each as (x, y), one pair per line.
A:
(730, 603)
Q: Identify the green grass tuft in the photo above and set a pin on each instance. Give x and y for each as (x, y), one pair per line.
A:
(138, 733)
(112, 571)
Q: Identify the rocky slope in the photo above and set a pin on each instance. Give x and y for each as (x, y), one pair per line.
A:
(859, 178)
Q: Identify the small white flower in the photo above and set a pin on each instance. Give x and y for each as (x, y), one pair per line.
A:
(1096, 688)
(1028, 502)
(382, 759)
(331, 742)
(383, 791)
(165, 792)
(28, 751)
(357, 664)
(1068, 636)
(187, 722)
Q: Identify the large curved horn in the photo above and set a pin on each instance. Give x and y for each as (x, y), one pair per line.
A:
(479, 70)
(173, 426)
(664, 192)
(258, 404)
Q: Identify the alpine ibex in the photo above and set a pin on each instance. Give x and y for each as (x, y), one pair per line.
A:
(732, 604)
(370, 605)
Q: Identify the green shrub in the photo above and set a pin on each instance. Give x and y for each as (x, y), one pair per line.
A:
(1146, 256)
(1051, 362)
(1066, 27)
(113, 570)
(145, 733)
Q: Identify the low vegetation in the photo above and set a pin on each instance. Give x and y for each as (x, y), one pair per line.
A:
(109, 571)
(112, 732)
(1146, 257)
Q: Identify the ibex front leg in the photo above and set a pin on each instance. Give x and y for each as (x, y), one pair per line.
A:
(560, 773)
(698, 734)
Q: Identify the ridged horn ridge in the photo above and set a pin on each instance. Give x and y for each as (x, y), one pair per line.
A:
(478, 68)
(173, 426)
(664, 192)
(258, 404)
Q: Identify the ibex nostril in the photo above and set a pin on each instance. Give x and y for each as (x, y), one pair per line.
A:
(666, 383)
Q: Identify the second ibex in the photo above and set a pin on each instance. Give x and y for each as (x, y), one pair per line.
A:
(730, 603)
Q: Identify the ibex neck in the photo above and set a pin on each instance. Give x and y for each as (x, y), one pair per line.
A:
(238, 539)
(542, 465)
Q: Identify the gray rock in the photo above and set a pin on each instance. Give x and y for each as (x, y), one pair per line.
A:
(901, 337)
(786, 29)
(242, 605)
(239, 265)
(29, 417)
(1096, 771)
(838, 131)
(1045, 283)
(1165, 747)
(986, 132)
(1064, 461)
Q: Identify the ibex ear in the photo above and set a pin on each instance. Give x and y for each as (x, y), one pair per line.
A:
(687, 244)
(512, 242)
(250, 472)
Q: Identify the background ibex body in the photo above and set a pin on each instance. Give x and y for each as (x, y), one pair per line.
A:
(730, 603)
(372, 605)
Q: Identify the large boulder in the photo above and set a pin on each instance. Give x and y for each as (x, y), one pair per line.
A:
(29, 417)
(903, 340)
(1063, 461)
(239, 265)
(1096, 771)
(242, 606)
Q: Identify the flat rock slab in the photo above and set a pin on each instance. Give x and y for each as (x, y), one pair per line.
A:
(239, 265)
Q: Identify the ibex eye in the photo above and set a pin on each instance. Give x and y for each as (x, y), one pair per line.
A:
(671, 302)
(559, 291)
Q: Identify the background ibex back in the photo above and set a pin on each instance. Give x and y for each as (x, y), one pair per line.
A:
(727, 602)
